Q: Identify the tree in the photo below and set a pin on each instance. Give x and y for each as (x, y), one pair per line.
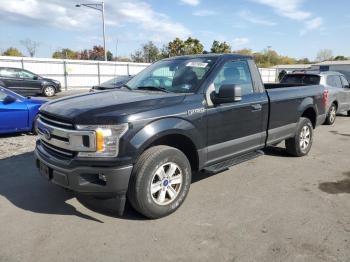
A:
(150, 52)
(137, 56)
(12, 51)
(193, 46)
(31, 46)
(222, 47)
(324, 54)
(175, 47)
(97, 53)
(109, 56)
(340, 58)
(244, 51)
(303, 61)
(65, 53)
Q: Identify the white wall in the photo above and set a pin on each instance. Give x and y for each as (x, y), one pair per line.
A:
(79, 73)
(86, 73)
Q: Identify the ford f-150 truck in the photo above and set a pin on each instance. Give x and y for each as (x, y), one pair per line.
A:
(179, 115)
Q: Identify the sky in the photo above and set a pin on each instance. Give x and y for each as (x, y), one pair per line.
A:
(297, 28)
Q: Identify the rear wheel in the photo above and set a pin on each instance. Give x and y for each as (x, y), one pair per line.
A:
(301, 143)
(160, 181)
(332, 114)
(49, 91)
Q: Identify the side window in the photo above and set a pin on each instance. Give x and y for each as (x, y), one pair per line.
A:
(25, 74)
(2, 95)
(8, 72)
(235, 73)
(334, 81)
(344, 81)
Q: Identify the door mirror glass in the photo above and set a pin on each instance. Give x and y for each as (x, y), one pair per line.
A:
(227, 94)
(35, 77)
(9, 100)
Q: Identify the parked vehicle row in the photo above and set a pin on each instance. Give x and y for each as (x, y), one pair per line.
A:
(27, 83)
(184, 114)
(335, 84)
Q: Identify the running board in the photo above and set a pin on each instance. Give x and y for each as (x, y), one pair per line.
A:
(216, 168)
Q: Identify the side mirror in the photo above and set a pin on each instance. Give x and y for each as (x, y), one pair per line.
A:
(227, 94)
(35, 77)
(9, 100)
(346, 86)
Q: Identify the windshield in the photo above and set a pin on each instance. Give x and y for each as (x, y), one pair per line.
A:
(13, 94)
(175, 75)
(301, 79)
(117, 80)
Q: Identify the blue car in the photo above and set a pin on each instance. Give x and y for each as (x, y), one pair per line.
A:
(17, 113)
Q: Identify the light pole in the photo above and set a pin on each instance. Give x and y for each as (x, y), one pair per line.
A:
(100, 7)
(268, 54)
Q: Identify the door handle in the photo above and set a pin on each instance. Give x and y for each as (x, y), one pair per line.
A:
(256, 107)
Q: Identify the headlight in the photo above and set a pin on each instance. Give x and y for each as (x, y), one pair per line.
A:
(107, 140)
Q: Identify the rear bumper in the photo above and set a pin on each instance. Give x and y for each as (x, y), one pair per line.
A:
(110, 181)
(320, 119)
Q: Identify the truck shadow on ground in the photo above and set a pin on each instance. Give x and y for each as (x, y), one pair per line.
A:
(21, 184)
(342, 186)
(334, 132)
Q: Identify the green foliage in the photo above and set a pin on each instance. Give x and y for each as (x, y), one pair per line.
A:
(12, 51)
(340, 58)
(148, 53)
(220, 48)
(192, 46)
(65, 53)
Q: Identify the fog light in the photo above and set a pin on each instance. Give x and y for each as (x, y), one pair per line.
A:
(102, 177)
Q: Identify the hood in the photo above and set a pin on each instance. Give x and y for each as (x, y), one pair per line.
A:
(36, 101)
(108, 107)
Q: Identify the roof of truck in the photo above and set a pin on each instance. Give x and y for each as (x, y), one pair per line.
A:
(227, 56)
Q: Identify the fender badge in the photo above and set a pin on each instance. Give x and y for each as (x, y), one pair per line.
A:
(195, 111)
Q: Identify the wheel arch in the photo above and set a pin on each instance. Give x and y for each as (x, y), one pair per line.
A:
(177, 133)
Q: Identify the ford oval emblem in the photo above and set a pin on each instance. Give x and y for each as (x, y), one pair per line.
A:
(47, 134)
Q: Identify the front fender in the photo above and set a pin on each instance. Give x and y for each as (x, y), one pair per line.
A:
(160, 128)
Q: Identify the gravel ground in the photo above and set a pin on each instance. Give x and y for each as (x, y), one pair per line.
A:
(273, 208)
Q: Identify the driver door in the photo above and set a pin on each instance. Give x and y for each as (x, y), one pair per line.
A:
(236, 128)
(13, 116)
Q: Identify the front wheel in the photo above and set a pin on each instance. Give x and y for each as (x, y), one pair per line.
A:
(332, 114)
(49, 91)
(160, 181)
(301, 143)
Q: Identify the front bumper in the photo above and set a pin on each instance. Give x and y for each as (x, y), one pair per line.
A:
(92, 180)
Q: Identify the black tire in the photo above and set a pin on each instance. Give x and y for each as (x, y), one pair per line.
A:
(349, 113)
(294, 145)
(331, 115)
(49, 91)
(144, 174)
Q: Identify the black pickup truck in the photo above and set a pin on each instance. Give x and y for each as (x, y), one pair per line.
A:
(179, 115)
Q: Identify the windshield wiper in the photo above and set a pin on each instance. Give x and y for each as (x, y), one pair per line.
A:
(153, 88)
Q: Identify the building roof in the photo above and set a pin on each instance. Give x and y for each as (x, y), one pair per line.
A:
(293, 66)
(345, 62)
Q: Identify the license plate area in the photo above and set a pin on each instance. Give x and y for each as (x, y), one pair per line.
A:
(45, 171)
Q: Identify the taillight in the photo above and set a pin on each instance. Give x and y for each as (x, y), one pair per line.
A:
(325, 96)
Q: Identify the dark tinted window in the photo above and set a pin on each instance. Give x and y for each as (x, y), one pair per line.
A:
(301, 79)
(334, 81)
(8, 72)
(235, 73)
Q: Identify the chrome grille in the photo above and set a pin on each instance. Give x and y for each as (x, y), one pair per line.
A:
(63, 139)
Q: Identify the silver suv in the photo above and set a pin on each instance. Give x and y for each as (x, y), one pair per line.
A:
(338, 99)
